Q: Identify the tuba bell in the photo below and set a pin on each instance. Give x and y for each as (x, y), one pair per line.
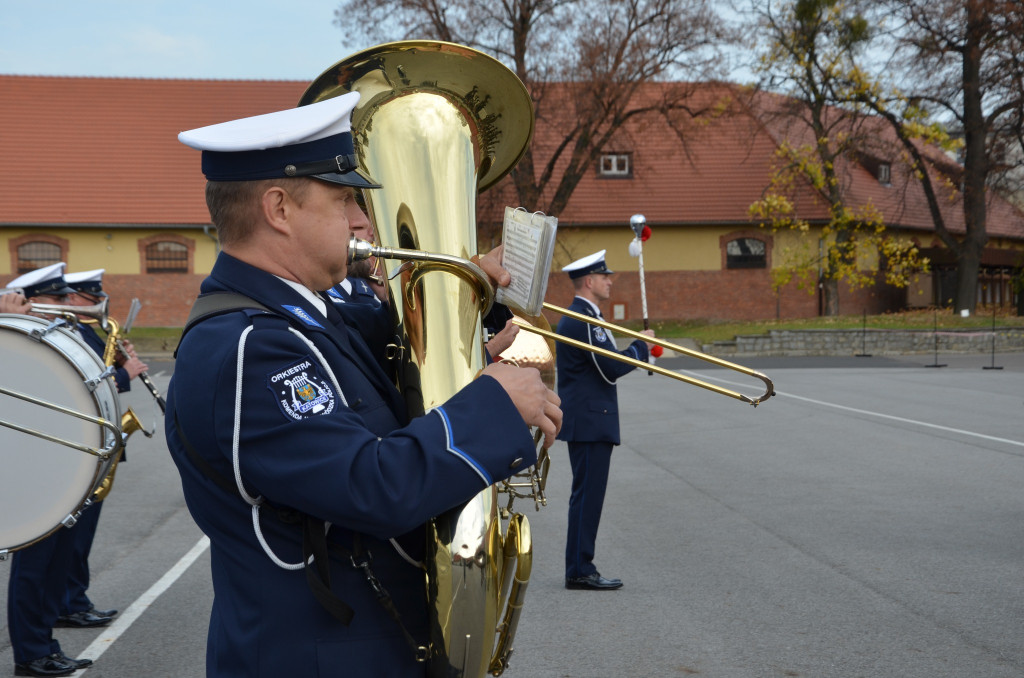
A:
(436, 123)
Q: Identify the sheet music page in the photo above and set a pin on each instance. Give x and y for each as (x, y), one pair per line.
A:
(529, 241)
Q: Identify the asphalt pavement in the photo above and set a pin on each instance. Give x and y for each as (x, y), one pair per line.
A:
(867, 521)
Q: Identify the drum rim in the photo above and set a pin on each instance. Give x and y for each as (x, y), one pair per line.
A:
(24, 326)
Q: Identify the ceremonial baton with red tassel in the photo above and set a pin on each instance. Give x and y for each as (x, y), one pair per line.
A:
(638, 223)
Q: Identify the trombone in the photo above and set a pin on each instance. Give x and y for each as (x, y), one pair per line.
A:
(769, 389)
(422, 262)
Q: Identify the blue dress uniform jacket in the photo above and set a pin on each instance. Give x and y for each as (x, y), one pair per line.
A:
(586, 381)
(337, 448)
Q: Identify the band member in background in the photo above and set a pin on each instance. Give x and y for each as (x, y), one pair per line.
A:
(77, 610)
(39, 572)
(586, 383)
(290, 438)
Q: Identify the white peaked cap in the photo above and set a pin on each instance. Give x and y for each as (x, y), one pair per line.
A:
(274, 130)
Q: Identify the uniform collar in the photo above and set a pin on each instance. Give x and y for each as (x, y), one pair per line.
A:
(308, 294)
(588, 302)
(273, 292)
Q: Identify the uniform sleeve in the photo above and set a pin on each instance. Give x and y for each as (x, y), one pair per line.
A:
(328, 464)
(122, 379)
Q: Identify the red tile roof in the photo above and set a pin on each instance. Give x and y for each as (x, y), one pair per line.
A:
(105, 151)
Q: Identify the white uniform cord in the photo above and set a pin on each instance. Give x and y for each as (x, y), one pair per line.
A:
(252, 501)
(255, 502)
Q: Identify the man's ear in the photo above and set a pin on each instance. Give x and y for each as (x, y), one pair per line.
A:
(277, 208)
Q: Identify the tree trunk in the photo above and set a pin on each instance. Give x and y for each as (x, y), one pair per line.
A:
(830, 289)
(975, 161)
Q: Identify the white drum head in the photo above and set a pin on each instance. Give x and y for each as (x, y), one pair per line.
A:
(43, 481)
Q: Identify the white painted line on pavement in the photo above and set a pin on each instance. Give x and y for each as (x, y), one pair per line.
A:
(890, 417)
(135, 610)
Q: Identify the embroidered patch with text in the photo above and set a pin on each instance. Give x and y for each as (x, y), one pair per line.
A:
(301, 390)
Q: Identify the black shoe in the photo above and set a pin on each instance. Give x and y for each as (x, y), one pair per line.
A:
(82, 620)
(593, 582)
(77, 663)
(102, 613)
(54, 665)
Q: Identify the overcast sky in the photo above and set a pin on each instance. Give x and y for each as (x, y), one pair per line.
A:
(232, 39)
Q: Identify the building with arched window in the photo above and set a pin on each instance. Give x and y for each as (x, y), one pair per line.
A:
(110, 187)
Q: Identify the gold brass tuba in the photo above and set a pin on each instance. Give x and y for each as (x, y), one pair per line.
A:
(435, 124)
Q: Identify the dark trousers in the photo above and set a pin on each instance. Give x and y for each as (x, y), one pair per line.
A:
(74, 596)
(591, 462)
(35, 591)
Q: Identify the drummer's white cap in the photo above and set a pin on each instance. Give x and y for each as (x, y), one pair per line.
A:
(45, 280)
(593, 263)
(90, 282)
(313, 141)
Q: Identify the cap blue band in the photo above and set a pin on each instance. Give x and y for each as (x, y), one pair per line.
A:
(270, 163)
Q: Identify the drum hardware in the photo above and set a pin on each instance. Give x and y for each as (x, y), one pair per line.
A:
(58, 402)
(103, 453)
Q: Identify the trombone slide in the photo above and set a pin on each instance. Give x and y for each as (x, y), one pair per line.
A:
(755, 401)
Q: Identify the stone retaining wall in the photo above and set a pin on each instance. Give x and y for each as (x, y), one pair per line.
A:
(874, 342)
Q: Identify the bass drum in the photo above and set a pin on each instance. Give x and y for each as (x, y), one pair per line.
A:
(45, 482)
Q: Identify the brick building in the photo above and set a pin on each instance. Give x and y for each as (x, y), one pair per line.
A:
(92, 174)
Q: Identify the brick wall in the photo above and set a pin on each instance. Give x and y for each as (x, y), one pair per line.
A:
(722, 295)
(718, 295)
(166, 298)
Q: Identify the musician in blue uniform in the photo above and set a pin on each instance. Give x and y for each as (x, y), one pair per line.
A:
(586, 383)
(296, 455)
(39, 572)
(77, 610)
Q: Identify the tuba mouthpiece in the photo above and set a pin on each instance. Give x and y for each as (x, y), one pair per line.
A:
(358, 250)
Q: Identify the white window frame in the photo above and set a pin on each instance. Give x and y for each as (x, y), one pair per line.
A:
(615, 165)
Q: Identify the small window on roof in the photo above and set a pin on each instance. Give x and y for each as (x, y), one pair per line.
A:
(166, 256)
(36, 254)
(745, 253)
(616, 165)
(884, 173)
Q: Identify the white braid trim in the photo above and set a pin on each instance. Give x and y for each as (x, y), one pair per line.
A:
(323, 363)
(254, 502)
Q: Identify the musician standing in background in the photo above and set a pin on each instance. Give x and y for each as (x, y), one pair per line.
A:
(77, 610)
(586, 383)
(39, 572)
(290, 438)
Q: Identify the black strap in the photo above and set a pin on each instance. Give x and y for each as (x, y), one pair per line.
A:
(314, 543)
(216, 303)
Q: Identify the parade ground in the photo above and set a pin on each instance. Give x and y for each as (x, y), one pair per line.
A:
(866, 522)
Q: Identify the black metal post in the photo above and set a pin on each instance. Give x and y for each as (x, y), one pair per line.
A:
(864, 337)
(935, 333)
(993, 366)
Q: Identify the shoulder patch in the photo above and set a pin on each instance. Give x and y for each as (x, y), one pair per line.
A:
(302, 315)
(600, 336)
(301, 390)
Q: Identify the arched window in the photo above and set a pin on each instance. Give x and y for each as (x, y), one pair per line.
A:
(166, 256)
(745, 253)
(36, 254)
